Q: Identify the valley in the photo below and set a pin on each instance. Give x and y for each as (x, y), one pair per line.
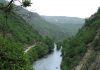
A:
(29, 41)
(56, 30)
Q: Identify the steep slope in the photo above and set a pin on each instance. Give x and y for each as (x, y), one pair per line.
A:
(91, 57)
(15, 36)
(17, 28)
(44, 28)
(82, 51)
(69, 25)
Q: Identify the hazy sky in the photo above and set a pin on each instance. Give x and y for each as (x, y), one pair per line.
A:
(73, 8)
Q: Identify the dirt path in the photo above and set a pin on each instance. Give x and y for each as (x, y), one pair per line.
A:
(29, 48)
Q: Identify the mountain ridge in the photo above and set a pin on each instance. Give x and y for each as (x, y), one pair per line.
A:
(64, 19)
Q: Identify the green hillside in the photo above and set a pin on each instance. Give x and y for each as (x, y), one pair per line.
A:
(18, 29)
(38, 23)
(15, 36)
(69, 25)
(83, 48)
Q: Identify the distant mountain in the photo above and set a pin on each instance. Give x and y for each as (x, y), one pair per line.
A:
(63, 19)
(68, 25)
(41, 25)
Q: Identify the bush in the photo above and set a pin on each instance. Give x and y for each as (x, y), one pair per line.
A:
(12, 56)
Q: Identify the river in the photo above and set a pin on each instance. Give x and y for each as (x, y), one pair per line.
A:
(51, 62)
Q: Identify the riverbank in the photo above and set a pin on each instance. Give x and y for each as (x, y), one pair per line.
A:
(40, 50)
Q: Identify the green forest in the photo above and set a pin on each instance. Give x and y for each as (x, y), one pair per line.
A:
(15, 36)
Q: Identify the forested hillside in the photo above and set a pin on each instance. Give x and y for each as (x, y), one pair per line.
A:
(82, 51)
(15, 36)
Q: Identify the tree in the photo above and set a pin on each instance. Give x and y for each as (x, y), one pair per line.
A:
(8, 7)
(12, 56)
(24, 3)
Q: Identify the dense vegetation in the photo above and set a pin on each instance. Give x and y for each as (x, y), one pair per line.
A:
(11, 55)
(15, 36)
(11, 45)
(15, 27)
(74, 48)
(41, 49)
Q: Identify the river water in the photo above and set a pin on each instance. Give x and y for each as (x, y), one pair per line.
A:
(51, 62)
